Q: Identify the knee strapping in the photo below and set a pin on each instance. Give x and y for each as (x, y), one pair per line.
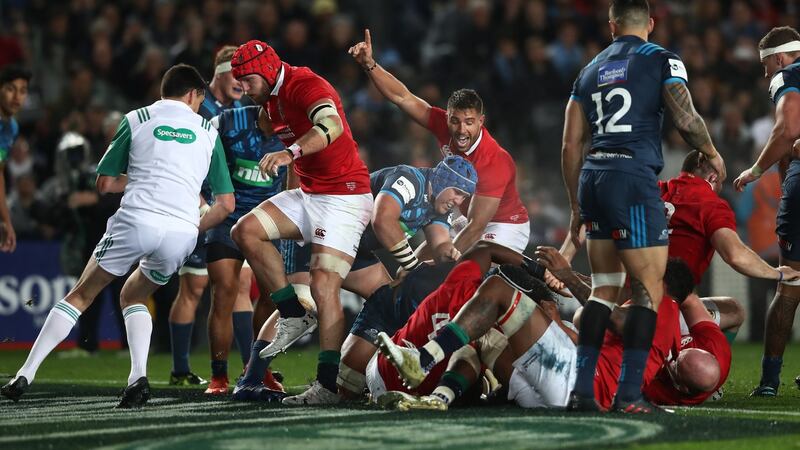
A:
(350, 379)
(269, 225)
(616, 279)
(608, 304)
(303, 292)
(467, 354)
(521, 308)
(330, 263)
(491, 345)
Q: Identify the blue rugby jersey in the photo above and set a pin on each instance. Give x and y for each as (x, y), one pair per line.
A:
(245, 145)
(786, 80)
(8, 134)
(409, 187)
(621, 95)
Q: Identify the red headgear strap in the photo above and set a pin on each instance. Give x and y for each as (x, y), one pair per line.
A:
(256, 57)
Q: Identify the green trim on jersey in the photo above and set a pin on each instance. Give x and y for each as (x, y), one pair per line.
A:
(115, 161)
(219, 178)
(3, 155)
(143, 115)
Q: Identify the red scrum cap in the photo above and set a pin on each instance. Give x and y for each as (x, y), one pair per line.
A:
(256, 57)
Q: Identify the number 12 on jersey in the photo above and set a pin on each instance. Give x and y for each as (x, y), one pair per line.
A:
(612, 126)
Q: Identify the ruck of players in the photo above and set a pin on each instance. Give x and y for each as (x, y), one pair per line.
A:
(249, 179)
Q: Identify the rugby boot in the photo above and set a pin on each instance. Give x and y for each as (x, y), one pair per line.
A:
(390, 399)
(271, 381)
(264, 394)
(764, 390)
(244, 391)
(579, 403)
(217, 386)
(638, 406)
(290, 329)
(186, 379)
(316, 394)
(797, 381)
(432, 402)
(14, 389)
(404, 359)
(135, 395)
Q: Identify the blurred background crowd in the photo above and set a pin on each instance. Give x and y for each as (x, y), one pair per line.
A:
(93, 60)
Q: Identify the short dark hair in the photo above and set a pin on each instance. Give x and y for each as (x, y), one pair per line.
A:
(778, 36)
(697, 163)
(678, 279)
(465, 99)
(180, 79)
(13, 72)
(629, 13)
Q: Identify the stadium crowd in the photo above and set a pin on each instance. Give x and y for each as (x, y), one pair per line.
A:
(94, 60)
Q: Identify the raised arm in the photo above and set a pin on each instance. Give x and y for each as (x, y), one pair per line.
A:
(389, 86)
(678, 103)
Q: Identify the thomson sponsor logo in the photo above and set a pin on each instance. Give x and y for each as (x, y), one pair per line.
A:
(180, 135)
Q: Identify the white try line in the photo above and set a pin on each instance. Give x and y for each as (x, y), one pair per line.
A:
(740, 411)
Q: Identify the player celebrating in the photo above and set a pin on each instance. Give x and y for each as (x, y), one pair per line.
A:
(495, 213)
(223, 92)
(622, 94)
(780, 56)
(159, 157)
(329, 211)
(245, 145)
(13, 92)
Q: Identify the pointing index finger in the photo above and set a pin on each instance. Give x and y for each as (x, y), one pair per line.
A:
(367, 38)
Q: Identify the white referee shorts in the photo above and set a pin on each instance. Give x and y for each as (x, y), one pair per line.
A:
(544, 376)
(512, 235)
(159, 243)
(335, 221)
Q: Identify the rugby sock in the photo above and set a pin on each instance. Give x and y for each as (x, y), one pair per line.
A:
(452, 386)
(592, 330)
(637, 338)
(451, 338)
(771, 371)
(180, 335)
(219, 368)
(328, 369)
(730, 336)
(138, 328)
(257, 366)
(243, 332)
(287, 303)
(59, 323)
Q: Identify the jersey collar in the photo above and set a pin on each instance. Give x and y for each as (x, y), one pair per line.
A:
(279, 82)
(174, 104)
(628, 38)
(475, 145)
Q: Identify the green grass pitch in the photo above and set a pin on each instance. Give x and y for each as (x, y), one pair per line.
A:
(71, 406)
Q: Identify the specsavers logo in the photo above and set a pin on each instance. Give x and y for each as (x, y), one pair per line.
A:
(247, 172)
(181, 135)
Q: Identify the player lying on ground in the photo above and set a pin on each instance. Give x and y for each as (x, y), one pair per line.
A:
(159, 158)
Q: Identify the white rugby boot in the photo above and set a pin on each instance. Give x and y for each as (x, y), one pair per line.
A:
(404, 359)
(290, 329)
(316, 394)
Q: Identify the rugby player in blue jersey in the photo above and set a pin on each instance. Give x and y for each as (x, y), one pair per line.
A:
(245, 144)
(222, 93)
(780, 55)
(13, 91)
(617, 104)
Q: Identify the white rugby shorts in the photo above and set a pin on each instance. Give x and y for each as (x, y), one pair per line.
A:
(335, 221)
(512, 235)
(544, 376)
(159, 243)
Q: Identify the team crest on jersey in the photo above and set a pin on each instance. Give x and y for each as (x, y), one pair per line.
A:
(612, 72)
(404, 187)
(320, 233)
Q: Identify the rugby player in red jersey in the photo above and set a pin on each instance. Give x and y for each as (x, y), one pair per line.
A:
(495, 213)
(329, 211)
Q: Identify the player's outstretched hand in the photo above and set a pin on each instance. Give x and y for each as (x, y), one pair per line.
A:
(719, 166)
(362, 52)
(789, 274)
(271, 162)
(744, 179)
(558, 268)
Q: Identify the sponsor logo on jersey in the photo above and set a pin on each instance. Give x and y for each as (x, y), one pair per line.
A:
(350, 185)
(592, 226)
(612, 72)
(664, 234)
(776, 83)
(677, 69)
(180, 135)
(158, 276)
(405, 188)
(247, 172)
(320, 233)
(785, 245)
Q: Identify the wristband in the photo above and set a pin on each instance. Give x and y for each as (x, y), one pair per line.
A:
(533, 268)
(295, 151)
(756, 171)
(370, 69)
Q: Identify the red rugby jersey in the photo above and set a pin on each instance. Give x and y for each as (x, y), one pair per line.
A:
(694, 213)
(338, 168)
(497, 172)
(433, 313)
